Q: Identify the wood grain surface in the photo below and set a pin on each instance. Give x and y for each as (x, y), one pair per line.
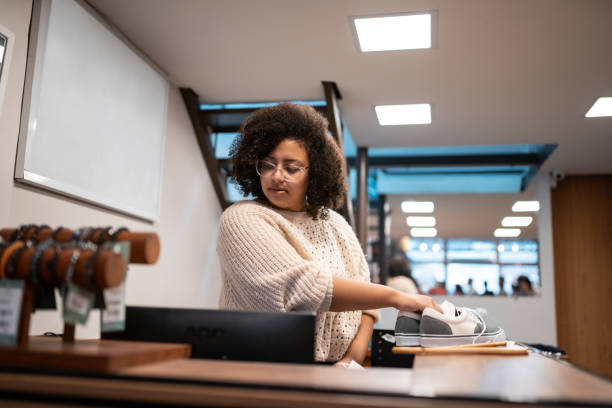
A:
(456, 381)
(88, 355)
(582, 239)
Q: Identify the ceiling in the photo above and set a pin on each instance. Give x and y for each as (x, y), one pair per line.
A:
(465, 215)
(503, 72)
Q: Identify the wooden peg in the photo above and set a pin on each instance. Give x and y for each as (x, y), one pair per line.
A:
(108, 271)
(68, 335)
(144, 246)
(27, 305)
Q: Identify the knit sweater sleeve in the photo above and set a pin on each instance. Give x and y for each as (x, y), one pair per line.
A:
(263, 270)
(363, 271)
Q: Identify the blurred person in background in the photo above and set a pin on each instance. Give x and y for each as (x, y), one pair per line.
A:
(502, 290)
(487, 292)
(471, 291)
(524, 286)
(439, 289)
(400, 276)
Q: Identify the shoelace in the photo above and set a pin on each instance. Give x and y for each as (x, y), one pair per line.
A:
(480, 319)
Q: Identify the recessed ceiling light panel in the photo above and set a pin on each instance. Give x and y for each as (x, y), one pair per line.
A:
(526, 206)
(391, 33)
(506, 232)
(414, 114)
(516, 221)
(417, 206)
(601, 107)
(423, 232)
(414, 221)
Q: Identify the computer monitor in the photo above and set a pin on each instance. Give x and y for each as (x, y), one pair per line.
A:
(225, 334)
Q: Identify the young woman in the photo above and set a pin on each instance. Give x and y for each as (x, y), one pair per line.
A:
(287, 250)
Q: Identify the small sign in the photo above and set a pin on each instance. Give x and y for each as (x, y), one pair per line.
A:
(123, 248)
(11, 298)
(113, 315)
(77, 304)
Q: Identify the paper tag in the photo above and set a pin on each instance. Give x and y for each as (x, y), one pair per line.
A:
(77, 304)
(123, 248)
(113, 316)
(11, 298)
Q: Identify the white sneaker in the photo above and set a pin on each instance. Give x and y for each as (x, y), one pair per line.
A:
(456, 326)
(407, 329)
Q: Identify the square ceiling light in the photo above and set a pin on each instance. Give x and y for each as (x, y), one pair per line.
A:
(397, 32)
(601, 107)
(415, 114)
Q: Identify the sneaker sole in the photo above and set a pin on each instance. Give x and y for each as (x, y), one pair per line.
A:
(407, 340)
(431, 340)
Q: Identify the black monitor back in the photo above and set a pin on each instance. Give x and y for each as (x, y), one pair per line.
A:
(225, 334)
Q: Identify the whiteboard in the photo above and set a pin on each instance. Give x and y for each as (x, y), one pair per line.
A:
(94, 113)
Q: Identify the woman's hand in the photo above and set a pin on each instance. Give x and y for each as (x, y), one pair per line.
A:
(414, 303)
(359, 346)
(344, 363)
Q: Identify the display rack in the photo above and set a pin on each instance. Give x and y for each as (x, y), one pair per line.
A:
(39, 259)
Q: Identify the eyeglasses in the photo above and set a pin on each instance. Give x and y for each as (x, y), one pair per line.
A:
(290, 172)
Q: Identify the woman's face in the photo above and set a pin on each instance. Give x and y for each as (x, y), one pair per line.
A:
(280, 192)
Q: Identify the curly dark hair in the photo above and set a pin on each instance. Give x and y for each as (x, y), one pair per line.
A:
(266, 128)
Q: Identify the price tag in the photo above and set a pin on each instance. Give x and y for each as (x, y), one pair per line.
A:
(11, 298)
(77, 304)
(113, 316)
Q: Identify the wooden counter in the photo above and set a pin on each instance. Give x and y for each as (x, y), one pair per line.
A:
(89, 355)
(463, 380)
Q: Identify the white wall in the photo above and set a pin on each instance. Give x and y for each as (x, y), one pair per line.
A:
(530, 319)
(187, 273)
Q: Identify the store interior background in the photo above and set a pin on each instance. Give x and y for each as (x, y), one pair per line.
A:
(502, 73)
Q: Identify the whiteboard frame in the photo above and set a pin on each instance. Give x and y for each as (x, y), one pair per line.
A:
(6, 62)
(36, 49)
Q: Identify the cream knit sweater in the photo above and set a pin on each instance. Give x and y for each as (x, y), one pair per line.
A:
(275, 260)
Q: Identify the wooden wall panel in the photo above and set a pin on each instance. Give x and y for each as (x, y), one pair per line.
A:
(582, 240)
